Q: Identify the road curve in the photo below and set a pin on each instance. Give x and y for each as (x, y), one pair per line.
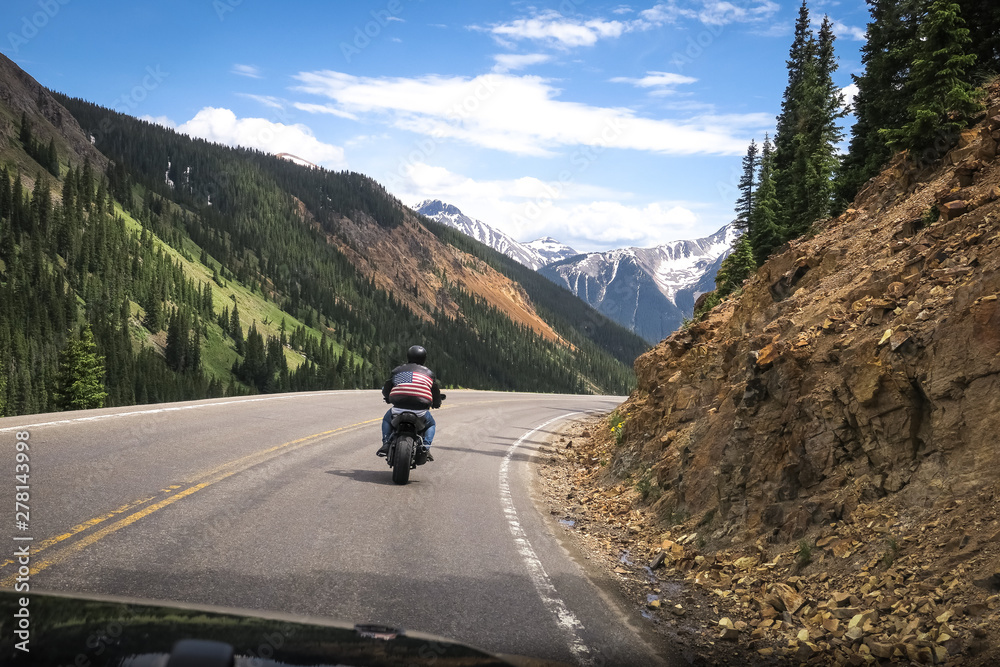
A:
(278, 503)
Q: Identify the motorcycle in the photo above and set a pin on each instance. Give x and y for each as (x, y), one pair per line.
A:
(406, 445)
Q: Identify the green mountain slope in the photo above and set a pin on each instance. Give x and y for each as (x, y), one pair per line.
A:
(204, 270)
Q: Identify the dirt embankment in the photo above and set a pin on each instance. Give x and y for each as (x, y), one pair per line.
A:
(819, 452)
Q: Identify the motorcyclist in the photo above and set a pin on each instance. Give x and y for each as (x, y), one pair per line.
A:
(411, 387)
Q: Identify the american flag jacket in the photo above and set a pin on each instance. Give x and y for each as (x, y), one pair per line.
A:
(412, 387)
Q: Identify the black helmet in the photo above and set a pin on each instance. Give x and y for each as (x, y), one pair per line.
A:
(416, 355)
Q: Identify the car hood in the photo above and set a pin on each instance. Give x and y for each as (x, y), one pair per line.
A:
(86, 631)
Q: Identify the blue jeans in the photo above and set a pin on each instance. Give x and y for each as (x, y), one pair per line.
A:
(428, 433)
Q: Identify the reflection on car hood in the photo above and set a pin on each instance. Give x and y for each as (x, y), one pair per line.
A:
(99, 630)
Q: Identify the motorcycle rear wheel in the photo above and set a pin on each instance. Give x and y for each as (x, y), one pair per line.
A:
(401, 460)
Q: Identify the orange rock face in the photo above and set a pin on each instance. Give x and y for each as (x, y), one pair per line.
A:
(862, 362)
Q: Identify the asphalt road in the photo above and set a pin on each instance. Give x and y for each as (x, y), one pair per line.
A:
(278, 503)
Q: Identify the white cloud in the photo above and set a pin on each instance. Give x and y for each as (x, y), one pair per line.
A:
(666, 13)
(266, 100)
(222, 126)
(849, 31)
(251, 71)
(522, 115)
(557, 30)
(583, 216)
(159, 120)
(849, 92)
(715, 12)
(324, 108)
(655, 79)
(363, 139)
(662, 82)
(709, 12)
(506, 62)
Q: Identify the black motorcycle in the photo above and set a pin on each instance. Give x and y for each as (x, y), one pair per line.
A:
(406, 445)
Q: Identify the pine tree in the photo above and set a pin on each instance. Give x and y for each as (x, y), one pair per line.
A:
(736, 267)
(881, 100)
(176, 344)
(235, 330)
(799, 55)
(207, 302)
(27, 140)
(6, 199)
(830, 109)
(194, 363)
(80, 381)
(805, 143)
(765, 234)
(942, 97)
(85, 185)
(223, 320)
(807, 196)
(790, 149)
(253, 370)
(982, 18)
(52, 158)
(154, 313)
(69, 191)
(746, 186)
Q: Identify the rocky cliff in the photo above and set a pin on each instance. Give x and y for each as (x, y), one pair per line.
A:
(860, 362)
(21, 94)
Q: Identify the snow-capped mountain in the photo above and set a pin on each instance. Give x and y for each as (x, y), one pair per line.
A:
(533, 255)
(648, 290)
(550, 251)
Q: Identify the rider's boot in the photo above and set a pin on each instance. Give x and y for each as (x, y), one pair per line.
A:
(384, 449)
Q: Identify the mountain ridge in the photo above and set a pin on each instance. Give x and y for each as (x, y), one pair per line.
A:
(650, 291)
(534, 255)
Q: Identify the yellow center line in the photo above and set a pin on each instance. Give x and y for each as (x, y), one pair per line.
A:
(216, 474)
(90, 523)
(240, 462)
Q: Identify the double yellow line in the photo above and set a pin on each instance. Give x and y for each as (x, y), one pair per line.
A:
(199, 482)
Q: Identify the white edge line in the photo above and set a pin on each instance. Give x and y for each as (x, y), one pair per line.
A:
(154, 411)
(567, 621)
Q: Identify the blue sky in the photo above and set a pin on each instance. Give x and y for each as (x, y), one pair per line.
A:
(602, 124)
